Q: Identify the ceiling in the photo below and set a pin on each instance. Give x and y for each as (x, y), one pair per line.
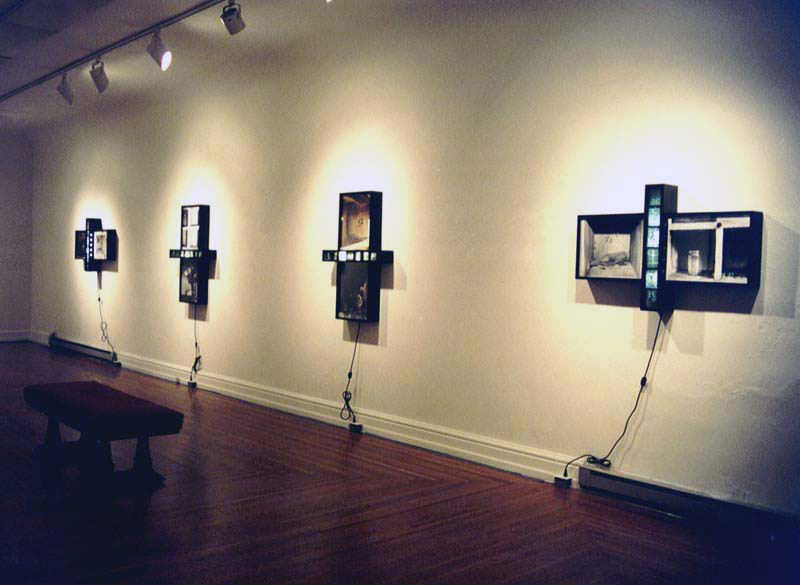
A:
(38, 37)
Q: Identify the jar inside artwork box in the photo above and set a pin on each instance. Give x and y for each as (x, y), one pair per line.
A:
(667, 251)
(721, 248)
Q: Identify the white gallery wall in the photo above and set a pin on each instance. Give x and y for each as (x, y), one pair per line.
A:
(488, 127)
(15, 235)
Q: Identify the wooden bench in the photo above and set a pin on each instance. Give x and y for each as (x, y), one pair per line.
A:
(101, 414)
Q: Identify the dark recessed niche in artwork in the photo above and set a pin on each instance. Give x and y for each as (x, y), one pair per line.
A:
(717, 248)
(359, 257)
(353, 299)
(663, 248)
(610, 246)
(194, 254)
(94, 245)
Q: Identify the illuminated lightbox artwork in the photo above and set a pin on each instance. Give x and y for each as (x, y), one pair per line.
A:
(355, 220)
(359, 256)
(353, 300)
(653, 234)
(189, 278)
(194, 254)
(94, 245)
(663, 248)
(101, 245)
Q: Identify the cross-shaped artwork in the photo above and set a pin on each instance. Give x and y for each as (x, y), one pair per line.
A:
(194, 254)
(94, 245)
(664, 249)
(359, 257)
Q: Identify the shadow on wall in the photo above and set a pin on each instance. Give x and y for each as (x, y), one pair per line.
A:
(782, 246)
(111, 265)
(784, 459)
(624, 293)
(196, 312)
(369, 335)
(776, 455)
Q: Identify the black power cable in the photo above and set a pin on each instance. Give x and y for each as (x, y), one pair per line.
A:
(347, 411)
(104, 327)
(605, 461)
(197, 365)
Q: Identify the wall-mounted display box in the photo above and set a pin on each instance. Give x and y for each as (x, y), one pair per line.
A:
(715, 248)
(359, 257)
(194, 254)
(663, 248)
(94, 245)
(610, 246)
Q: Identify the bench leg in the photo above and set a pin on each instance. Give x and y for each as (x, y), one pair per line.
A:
(143, 465)
(52, 438)
(49, 455)
(105, 462)
(143, 461)
(50, 449)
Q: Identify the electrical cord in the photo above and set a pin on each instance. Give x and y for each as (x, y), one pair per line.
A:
(104, 336)
(197, 365)
(605, 461)
(347, 411)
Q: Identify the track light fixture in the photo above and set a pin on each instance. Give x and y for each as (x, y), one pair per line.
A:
(99, 76)
(65, 89)
(232, 17)
(159, 52)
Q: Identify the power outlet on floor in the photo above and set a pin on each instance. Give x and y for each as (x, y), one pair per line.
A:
(562, 482)
(356, 428)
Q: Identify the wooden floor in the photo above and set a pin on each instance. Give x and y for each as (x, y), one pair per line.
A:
(258, 496)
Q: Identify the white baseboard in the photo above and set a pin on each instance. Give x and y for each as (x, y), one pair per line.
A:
(6, 336)
(534, 463)
(477, 448)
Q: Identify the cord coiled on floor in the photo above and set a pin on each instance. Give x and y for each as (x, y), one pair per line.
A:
(104, 335)
(347, 412)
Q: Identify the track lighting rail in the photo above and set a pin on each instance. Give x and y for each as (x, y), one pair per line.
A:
(90, 57)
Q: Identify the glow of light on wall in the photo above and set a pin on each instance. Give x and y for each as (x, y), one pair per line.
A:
(718, 148)
(368, 157)
(710, 146)
(92, 203)
(202, 183)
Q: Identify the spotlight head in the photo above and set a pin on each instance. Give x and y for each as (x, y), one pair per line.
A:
(159, 52)
(232, 17)
(65, 89)
(99, 76)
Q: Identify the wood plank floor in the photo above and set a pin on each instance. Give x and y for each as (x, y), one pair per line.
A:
(258, 496)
